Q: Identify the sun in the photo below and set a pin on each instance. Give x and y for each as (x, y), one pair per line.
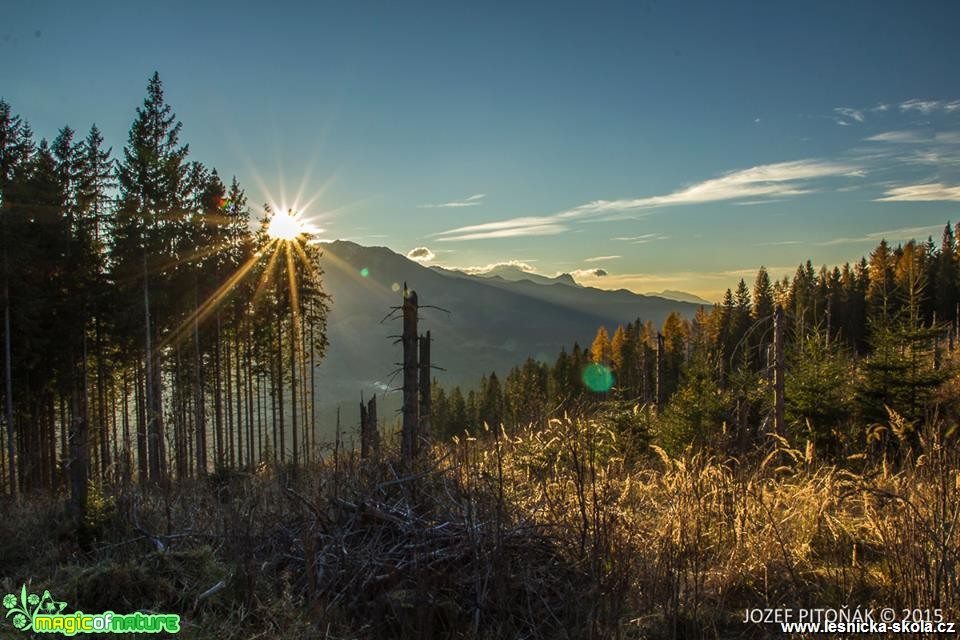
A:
(286, 226)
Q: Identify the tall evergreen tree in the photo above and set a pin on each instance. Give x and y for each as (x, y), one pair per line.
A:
(601, 352)
(946, 285)
(154, 193)
(16, 146)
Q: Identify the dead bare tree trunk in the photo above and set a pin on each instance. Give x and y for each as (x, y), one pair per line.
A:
(313, 392)
(278, 416)
(201, 426)
(127, 461)
(425, 431)
(101, 403)
(154, 395)
(364, 435)
(79, 454)
(238, 392)
(369, 434)
(293, 381)
(778, 371)
(141, 402)
(228, 401)
(8, 380)
(661, 383)
(374, 429)
(217, 400)
(411, 407)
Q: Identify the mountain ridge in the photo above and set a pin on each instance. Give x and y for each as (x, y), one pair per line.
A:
(478, 325)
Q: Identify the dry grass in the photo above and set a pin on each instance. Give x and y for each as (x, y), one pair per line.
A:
(545, 532)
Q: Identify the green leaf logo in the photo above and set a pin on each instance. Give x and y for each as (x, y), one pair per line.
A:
(28, 606)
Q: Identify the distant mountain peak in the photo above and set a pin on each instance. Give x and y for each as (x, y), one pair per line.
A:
(681, 296)
(512, 273)
(494, 322)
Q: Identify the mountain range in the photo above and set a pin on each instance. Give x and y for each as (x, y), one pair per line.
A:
(479, 323)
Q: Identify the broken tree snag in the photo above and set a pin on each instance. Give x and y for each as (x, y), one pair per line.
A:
(424, 431)
(364, 431)
(372, 425)
(411, 407)
(369, 436)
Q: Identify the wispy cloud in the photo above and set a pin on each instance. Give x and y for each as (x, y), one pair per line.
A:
(421, 254)
(926, 107)
(751, 203)
(471, 201)
(931, 157)
(781, 243)
(927, 192)
(845, 114)
(601, 258)
(916, 137)
(779, 179)
(763, 181)
(641, 239)
(517, 227)
(904, 233)
(899, 137)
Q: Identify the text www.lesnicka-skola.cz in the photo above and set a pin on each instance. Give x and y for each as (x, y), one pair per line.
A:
(852, 620)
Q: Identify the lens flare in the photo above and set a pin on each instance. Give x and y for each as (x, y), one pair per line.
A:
(365, 272)
(598, 378)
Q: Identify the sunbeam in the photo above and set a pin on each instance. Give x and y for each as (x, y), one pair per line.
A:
(267, 273)
(201, 312)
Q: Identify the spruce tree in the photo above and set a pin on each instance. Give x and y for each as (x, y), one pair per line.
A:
(945, 288)
(154, 193)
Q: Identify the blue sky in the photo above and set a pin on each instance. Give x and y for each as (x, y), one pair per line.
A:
(672, 144)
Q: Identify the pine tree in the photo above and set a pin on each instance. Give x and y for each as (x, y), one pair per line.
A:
(16, 147)
(726, 326)
(490, 406)
(818, 390)
(153, 198)
(675, 334)
(562, 379)
(880, 295)
(901, 372)
(945, 289)
(741, 322)
(601, 351)
(762, 295)
(440, 418)
(91, 199)
(458, 422)
(525, 393)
